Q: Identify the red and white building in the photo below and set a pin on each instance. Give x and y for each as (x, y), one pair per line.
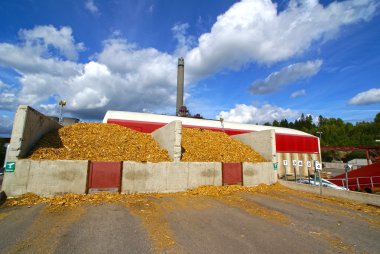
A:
(290, 144)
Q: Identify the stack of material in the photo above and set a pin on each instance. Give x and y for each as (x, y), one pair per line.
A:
(205, 145)
(98, 142)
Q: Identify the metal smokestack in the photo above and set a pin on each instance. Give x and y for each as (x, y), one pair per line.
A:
(180, 84)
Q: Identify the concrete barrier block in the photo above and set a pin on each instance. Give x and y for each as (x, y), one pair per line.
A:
(142, 177)
(177, 174)
(51, 177)
(205, 173)
(15, 183)
(28, 127)
(257, 173)
(168, 176)
(263, 142)
(169, 138)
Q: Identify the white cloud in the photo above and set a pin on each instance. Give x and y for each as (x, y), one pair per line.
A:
(8, 100)
(49, 109)
(254, 31)
(298, 93)
(30, 60)
(285, 76)
(372, 96)
(122, 76)
(184, 41)
(90, 5)
(41, 37)
(5, 125)
(243, 113)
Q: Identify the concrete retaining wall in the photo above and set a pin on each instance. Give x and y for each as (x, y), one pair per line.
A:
(46, 177)
(49, 177)
(169, 138)
(263, 142)
(360, 197)
(169, 176)
(257, 173)
(28, 127)
(15, 183)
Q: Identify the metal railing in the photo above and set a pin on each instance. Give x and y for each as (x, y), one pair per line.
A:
(361, 182)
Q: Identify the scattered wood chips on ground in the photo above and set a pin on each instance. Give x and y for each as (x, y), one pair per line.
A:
(59, 202)
(98, 142)
(212, 146)
(71, 200)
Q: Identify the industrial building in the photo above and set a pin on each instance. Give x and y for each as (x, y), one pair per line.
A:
(289, 145)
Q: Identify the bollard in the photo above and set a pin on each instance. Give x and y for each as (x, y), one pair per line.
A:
(358, 184)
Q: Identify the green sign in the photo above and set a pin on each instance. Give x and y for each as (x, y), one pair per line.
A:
(275, 166)
(10, 166)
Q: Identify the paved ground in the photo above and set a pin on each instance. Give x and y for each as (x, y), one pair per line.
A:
(273, 221)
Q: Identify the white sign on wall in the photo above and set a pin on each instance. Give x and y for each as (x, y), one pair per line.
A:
(285, 162)
(294, 163)
(299, 163)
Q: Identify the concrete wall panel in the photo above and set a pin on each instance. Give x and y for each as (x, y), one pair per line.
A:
(168, 176)
(304, 165)
(257, 173)
(264, 142)
(15, 183)
(28, 127)
(202, 173)
(280, 165)
(51, 177)
(289, 168)
(169, 138)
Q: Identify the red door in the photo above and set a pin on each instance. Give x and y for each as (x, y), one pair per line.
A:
(104, 176)
(232, 173)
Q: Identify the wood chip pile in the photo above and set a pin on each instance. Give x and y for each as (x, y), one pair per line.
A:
(205, 145)
(98, 142)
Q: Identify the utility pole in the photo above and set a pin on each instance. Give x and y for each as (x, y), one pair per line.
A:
(61, 104)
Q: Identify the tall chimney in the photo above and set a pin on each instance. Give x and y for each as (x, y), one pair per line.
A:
(180, 85)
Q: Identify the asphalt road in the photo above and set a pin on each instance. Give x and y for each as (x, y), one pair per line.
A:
(275, 222)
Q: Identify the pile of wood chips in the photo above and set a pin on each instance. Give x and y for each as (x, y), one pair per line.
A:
(98, 142)
(211, 146)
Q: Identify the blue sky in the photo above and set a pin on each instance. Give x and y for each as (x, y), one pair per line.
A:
(250, 61)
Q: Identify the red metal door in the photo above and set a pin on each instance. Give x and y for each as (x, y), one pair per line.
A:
(232, 173)
(104, 176)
